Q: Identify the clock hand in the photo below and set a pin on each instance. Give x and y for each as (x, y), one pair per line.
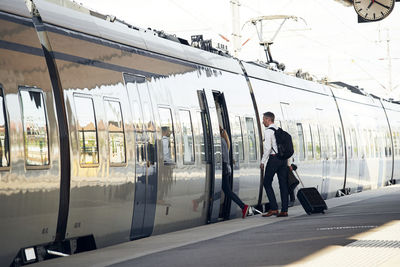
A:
(382, 5)
(370, 4)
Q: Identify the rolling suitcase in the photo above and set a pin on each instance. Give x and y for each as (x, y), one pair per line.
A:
(311, 199)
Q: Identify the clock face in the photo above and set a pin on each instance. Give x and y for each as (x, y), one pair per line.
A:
(373, 9)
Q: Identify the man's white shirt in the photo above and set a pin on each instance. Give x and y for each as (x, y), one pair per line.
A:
(269, 144)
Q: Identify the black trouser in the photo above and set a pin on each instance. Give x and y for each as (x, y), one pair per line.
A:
(227, 188)
(275, 165)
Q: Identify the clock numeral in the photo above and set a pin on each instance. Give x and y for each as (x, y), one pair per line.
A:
(358, 2)
(359, 9)
(374, 15)
(382, 13)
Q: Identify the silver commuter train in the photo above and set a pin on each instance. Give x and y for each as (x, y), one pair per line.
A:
(85, 158)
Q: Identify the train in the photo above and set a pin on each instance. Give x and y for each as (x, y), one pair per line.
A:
(110, 132)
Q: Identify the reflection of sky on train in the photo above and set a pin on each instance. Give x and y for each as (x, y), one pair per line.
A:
(33, 109)
(84, 109)
(332, 43)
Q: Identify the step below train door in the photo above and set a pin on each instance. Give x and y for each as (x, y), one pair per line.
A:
(212, 151)
(145, 154)
(223, 120)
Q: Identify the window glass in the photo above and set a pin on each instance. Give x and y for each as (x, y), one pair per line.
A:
(355, 142)
(4, 143)
(116, 135)
(237, 138)
(340, 143)
(302, 153)
(376, 137)
(35, 128)
(317, 142)
(87, 130)
(366, 145)
(251, 135)
(349, 142)
(334, 144)
(187, 136)
(168, 139)
(397, 142)
(310, 149)
(201, 137)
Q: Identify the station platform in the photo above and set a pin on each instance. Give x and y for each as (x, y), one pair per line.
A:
(361, 229)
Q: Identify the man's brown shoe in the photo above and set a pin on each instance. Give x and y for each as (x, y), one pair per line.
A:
(270, 213)
(282, 214)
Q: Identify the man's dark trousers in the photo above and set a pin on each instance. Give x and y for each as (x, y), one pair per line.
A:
(278, 166)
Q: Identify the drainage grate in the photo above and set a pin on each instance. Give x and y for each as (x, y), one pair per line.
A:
(375, 244)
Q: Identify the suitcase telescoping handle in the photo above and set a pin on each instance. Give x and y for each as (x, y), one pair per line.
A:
(294, 169)
(298, 177)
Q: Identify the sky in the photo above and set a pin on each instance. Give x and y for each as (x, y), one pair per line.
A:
(330, 43)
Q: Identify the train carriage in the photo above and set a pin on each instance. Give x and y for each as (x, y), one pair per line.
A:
(110, 133)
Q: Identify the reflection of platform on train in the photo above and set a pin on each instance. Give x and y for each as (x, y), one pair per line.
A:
(358, 230)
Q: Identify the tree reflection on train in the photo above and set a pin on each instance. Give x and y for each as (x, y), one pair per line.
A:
(115, 132)
(35, 128)
(87, 130)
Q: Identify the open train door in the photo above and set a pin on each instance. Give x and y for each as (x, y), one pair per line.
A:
(223, 121)
(212, 150)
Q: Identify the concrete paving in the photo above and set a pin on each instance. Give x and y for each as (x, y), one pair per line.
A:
(362, 229)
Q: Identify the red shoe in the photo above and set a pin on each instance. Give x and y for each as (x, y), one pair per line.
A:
(245, 211)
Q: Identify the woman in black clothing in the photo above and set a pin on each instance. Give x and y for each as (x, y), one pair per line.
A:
(226, 174)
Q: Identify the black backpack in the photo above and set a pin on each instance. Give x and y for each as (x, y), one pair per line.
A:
(284, 142)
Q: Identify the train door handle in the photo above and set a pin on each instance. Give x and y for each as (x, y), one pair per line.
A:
(148, 163)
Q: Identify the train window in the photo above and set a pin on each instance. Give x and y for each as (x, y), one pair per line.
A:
(187, 136)
(377, 143)
(310, 149)
(4, 142)
(168, 139)
(317, 140)
(334, 144)
(237, 138)
(302, 153)
(116, 135)
(251, 137)
(371, 143)
(366, 145)
(349, 143)
(388, 147)
(200, 137)
(355, 143)
(340, 143)
(35, 127)
(87, 131)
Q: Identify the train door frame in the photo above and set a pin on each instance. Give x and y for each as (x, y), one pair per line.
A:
(213, 184)
(145, 170)
(226, 204)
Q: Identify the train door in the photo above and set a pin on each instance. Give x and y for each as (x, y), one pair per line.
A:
(223, 120)
(212, 145)
(146, 155)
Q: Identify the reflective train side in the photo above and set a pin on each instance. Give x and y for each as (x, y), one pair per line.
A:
(86, 104)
